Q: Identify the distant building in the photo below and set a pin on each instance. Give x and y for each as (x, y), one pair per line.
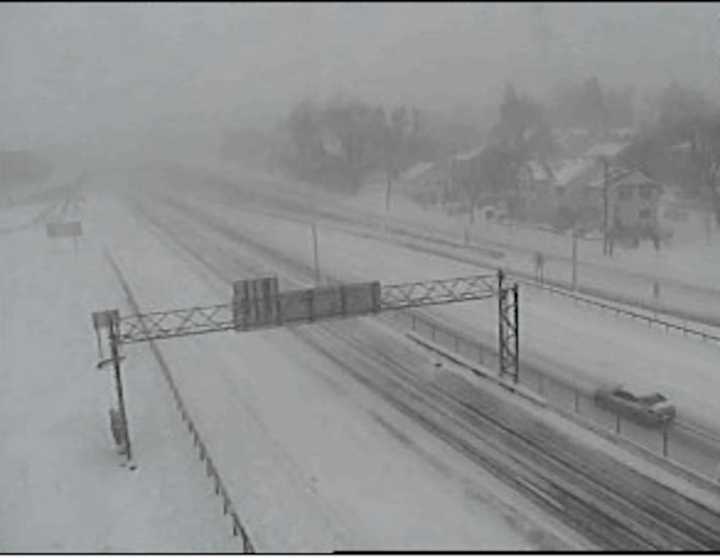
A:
(536, 197)
(22, 167)
(633, 202)
(572, 192)
(427, 182)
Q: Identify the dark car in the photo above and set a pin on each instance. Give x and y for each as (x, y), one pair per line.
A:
(651, 410)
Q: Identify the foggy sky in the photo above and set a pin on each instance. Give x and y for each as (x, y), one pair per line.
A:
(74, 70)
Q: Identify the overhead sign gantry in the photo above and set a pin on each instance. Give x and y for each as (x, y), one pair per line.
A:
(259, 304)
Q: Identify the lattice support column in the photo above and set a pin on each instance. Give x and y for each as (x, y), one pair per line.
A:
(108, 323)
(508, 329)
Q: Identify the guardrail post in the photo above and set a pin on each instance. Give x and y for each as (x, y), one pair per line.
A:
(665, 440)
(617, 424)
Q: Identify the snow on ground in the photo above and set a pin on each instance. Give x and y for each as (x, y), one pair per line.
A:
(62, 484)
(574, 430)
(603, 273)
(691, 259)
(305, 459)
(573, 341)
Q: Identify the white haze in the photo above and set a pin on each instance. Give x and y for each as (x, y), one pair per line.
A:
(80, 72)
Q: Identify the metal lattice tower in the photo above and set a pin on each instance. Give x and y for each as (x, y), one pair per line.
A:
(508, 329)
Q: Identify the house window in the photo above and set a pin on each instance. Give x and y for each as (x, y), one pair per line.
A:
(646, 191)
(644, 214)
(624, 193)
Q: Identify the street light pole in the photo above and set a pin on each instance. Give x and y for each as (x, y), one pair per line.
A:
(387, 192)
(605, 205)
(316, 262)
(574, 259)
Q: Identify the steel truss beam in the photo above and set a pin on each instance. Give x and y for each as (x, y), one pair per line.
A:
(175, 323)
(443, 291)
(207, 319)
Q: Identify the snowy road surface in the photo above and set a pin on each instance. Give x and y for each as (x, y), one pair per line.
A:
(573, 341)
(210, 248)
(62, 486)
(317, 470)
(312, 461)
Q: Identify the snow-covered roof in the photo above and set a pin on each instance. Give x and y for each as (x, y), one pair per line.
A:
(684, 146)
(466, 156)
(417, 170)
(606, 149)
(570, 170)
(622, 132)
(636, 178)
(577, 131)
(331, 144)
(622, 177)
(538, 171)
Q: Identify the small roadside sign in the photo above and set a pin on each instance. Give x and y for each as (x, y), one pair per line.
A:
(58, 230)
(104, 319)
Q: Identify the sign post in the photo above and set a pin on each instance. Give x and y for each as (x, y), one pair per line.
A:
(71, 229)
(109, 321)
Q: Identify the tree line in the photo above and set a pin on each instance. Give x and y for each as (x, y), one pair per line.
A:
(679, 143)
(344, 141)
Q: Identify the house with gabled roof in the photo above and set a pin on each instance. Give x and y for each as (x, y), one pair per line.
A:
(573, 191)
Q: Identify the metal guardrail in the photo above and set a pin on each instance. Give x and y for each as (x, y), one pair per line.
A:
(674, 443)
(618, 310)
(203, 454)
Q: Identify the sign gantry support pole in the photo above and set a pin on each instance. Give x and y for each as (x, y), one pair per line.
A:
(109, 321)
(115, 356)
(508, 329)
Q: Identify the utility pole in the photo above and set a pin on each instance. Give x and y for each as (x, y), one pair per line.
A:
(315, 254)
(574, 258)
(605, 206)
(387, 192)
